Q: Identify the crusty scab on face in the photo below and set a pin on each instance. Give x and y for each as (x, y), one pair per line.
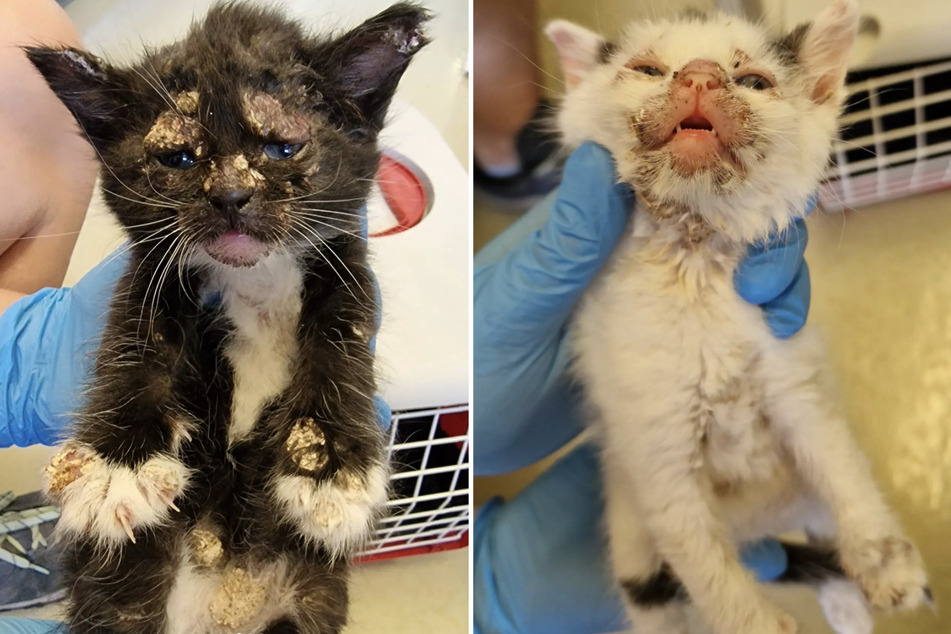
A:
(172, 132)
(269, 120)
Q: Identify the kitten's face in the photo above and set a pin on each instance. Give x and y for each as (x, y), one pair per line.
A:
(247, 136)
(706, 113)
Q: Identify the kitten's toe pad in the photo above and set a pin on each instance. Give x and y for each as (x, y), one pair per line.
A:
(889, 572)
(109, 501)
(845, 608)
(338, 511)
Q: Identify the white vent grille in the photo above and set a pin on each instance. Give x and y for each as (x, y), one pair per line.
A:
(895, 136)
(429, 450)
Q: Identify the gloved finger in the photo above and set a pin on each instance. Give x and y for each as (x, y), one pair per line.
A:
(527, 295)
(84, 315)
(9, 625)
(769, 269)
(383, 413)
(767, 559)
(538, 560)
(786, 314)
(524, 290)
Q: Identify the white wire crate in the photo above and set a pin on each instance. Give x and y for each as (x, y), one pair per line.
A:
(895, 136)
(429, 504)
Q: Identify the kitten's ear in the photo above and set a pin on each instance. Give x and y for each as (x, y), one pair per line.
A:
(369, 61)
(824, 48)
(580, 50)
(92, 90)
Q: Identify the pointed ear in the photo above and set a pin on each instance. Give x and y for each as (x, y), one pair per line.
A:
(366, 64)
(824, 47)
(93, 91)
(580, 50)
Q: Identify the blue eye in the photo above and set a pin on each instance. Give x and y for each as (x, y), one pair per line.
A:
(281, 151)
(754, 81)
(177, 160)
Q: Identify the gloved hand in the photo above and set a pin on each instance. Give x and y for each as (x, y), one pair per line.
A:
(48, 342)
(538, 560)
(30, 626)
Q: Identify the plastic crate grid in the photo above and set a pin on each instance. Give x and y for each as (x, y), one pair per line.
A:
(895, 136)
(429, 504)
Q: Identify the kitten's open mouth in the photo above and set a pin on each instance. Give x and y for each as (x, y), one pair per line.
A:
(236, 249)
(695, 143)
(695, 122)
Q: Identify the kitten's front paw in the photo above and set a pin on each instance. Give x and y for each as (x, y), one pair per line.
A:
(109, 501)
(889, 572)
(337, 511)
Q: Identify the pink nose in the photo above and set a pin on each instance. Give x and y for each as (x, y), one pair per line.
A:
(701, 74)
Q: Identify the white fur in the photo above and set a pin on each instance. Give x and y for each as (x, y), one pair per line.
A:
(263, 303)
(714, 432)
(92, 503)
(194, 589)
(845, 608)
(337, 512)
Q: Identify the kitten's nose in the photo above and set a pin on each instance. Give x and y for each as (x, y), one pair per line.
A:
(230, 199)
(701, 74)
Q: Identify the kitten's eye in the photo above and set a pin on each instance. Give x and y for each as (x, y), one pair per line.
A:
(756, 82)
(177, 160)
(281, 151)
(647, 69)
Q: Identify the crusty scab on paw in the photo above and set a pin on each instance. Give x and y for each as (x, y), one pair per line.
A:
(68, 465)
(307, 445)
(890, 574)
(108, 501)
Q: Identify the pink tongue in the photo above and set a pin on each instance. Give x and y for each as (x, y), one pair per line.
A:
(236, 249)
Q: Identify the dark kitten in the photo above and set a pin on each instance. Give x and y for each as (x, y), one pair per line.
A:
(228, 459)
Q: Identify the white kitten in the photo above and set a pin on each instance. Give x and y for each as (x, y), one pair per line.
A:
(715, 432)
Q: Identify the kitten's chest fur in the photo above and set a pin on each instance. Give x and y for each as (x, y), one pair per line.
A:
(665, 323)
(263, 304)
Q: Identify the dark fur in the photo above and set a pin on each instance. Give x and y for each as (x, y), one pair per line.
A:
(806, 564)
(162, 350)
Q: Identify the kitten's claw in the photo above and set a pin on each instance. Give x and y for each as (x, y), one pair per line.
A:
(123, 515)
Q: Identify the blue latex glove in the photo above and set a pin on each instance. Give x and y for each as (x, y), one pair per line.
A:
(539, 563)
(30, 626)
(48, 342)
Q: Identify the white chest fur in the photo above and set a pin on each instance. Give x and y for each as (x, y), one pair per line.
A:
(668, 331)
(263, 303)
